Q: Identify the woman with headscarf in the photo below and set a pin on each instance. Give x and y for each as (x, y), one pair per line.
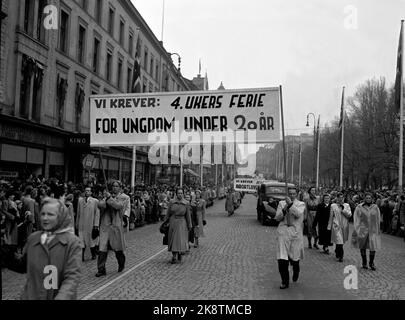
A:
(52, 257)
(322, 219)
(311, 204)
(178, 216)
(199, 209)
(366, 233)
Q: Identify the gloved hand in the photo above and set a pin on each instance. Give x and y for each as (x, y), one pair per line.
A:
(95, 233)
(125, 219)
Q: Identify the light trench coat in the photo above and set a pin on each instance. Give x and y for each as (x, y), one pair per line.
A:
(339, 223)
(111, 224)
(290, 239)
(366, 222)
(88, 216)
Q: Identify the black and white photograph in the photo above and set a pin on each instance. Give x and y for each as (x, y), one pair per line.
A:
(202, 156)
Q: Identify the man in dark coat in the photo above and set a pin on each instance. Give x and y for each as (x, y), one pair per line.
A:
(322, 219)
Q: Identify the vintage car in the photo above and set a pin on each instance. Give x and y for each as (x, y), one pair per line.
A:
(268, 196)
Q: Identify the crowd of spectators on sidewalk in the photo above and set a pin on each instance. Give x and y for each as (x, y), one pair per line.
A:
(20, 203)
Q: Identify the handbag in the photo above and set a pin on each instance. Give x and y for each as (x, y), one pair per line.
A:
(164, 227)
(166, 239)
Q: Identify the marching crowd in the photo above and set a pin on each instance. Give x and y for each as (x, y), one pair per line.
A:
(325, 218)
(66, 219)
(45, 221)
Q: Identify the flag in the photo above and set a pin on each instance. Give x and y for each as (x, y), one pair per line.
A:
(136, 78)
(342, 113)
(398, 78)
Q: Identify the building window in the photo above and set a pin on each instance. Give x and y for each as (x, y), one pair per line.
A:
(40, 21)
(129, 74)
(108, 66)
(131, 44)
(63, 35)
(61, 89)
(99, 11)
(29, 17)
(119, 74)
(111, 14)
(122, 31)
(96, 54)
(152, 60)
(157, 72)
(31, 89)
(145, 59)
(81, 44)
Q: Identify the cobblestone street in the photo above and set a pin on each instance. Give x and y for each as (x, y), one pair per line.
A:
(236, 260)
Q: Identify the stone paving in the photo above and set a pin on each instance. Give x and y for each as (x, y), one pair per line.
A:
(236, 260)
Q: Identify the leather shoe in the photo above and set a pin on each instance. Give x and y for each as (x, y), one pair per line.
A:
(284, 286)
(295, 277)
(120, 268)
(100, 273)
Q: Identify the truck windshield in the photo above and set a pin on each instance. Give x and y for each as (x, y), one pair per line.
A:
(275, 190)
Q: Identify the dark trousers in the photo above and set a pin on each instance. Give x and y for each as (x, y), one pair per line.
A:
(102, 259)
(285, 273)
(339, 251)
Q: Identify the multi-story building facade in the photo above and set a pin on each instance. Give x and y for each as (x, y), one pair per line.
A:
(48, 74)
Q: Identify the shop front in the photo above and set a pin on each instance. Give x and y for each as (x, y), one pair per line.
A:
(28, 149)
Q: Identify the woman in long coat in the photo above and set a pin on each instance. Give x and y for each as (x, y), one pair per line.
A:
(366, 233)
(322, 220)
(230, 202)
(178, 215)
(56, 246)
(199, 205)
(339, 224)
(311, 205)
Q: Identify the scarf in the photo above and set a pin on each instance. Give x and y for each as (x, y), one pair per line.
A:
(63, 225)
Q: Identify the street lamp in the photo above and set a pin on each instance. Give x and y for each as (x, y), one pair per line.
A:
(314, 146)
(315, 167)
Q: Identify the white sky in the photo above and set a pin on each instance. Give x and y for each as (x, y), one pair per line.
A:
(300, 44)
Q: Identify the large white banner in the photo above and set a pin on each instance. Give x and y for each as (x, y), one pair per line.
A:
(137, 118)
